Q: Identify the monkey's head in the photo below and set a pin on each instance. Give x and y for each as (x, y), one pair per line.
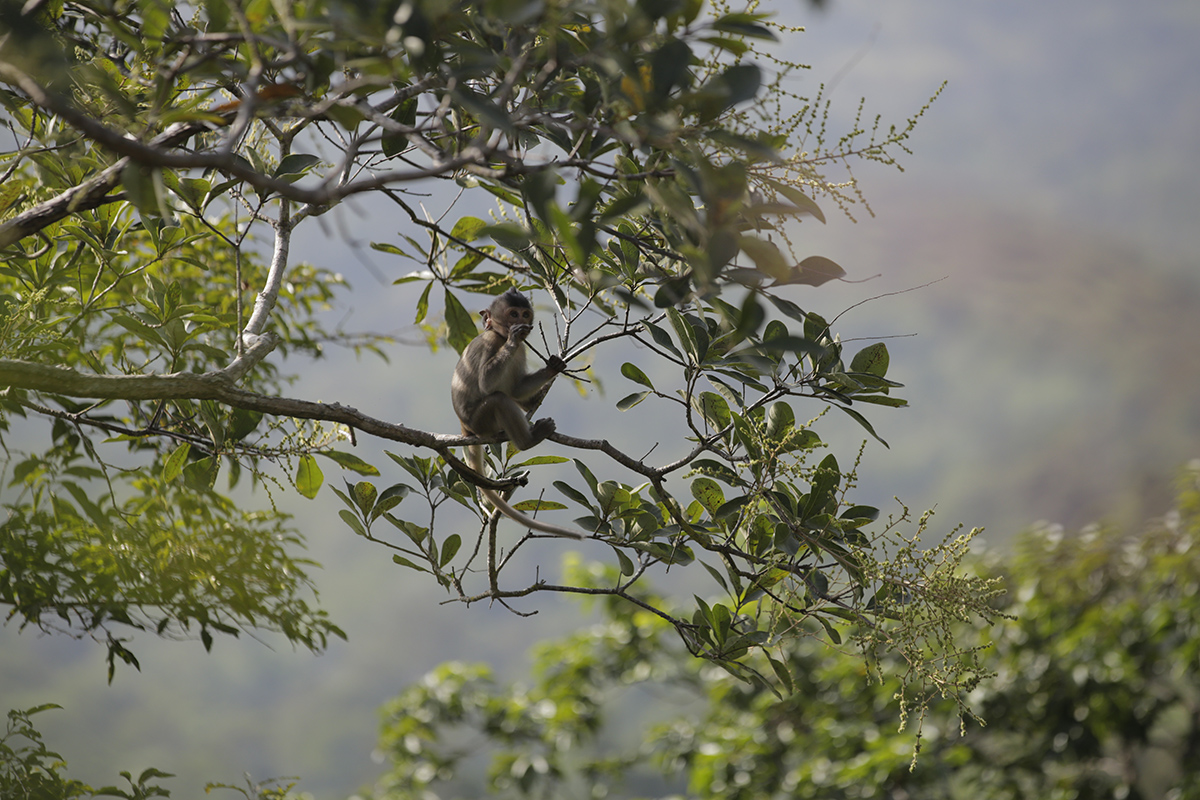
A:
(509, 309)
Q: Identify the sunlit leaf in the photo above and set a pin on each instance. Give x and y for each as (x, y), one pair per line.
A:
(530, 506)
(467, 228)
(708, 493)
(349, 461)
(309, 477)
(173, 466)
(872, 359)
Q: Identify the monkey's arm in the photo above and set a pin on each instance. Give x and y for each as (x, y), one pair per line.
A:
(539, 382)
(499, 364)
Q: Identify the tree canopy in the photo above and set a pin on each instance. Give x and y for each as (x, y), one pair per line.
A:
(647, 170)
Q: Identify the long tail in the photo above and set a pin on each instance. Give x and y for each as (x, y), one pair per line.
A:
(476, 454)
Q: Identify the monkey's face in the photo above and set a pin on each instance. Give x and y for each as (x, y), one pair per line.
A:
(502, 317)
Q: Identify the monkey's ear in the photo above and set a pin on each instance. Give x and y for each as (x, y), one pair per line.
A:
(487, 319)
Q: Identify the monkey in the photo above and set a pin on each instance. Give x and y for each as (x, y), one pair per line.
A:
(492, 390)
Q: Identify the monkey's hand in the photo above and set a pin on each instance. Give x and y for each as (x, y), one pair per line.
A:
(542, 428)
(556, 364)
(518, 333)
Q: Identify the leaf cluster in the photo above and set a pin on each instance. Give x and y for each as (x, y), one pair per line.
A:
(160, 551)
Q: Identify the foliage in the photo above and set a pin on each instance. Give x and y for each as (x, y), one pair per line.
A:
(30, 771)
(175, 557)
(648, 169)
(1093, 696)
(1096, 691)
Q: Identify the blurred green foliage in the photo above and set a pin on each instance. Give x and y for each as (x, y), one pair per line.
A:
(1095, 695)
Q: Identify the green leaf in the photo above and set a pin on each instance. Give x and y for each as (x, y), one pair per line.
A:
(669, 67)
(824, 483)
(714, 409)
(741, 82)
(389, 498)
(364, 494)
(630, 400)
(460, 323)
(147, 774)
(355, 524)
(717, 576)
(767, 257)
(721, 471)
(795, 344)
(468, 229)
(449, 548)
(708, 493)
(587, 475)
(735, 46)
(881, 400)
(673, 291)
(309, 477)
(872, 359)
(485, 109)
(202, 474)
(780, 419)
(868, 513)
(404, 562)
(349, 461)
(573, 493)
(393, 143)
(831, 631)
(798, 198)
(782, 673)
(627, 567)
(861, 420)
(388, 247)
(175, 462)
(746, 25)
(530, 462)
(242, 423)
(633, 373)
(508, 235)
(539, 188)
(140, 328)
(661, 337)
(295, 164)
(816, 270)
(538, 505)
(423, 304)
(685, 332)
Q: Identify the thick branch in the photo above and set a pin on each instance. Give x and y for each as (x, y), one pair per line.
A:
(205, 386)
(220, 386)
(92, 193)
